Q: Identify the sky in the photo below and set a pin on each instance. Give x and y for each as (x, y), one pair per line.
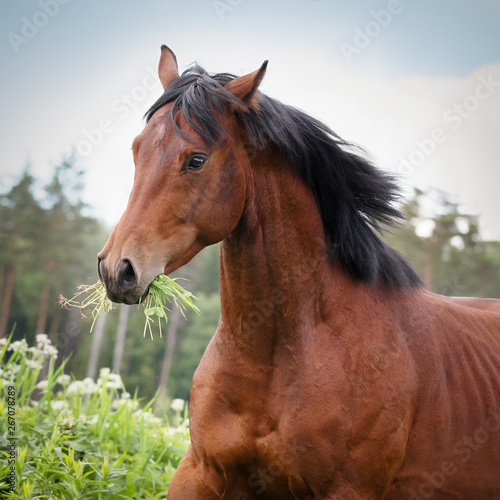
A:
(415, 83)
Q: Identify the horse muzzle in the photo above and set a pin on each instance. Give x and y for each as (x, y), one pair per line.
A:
(121, 281)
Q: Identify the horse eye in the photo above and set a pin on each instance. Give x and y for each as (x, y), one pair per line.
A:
(195, 162)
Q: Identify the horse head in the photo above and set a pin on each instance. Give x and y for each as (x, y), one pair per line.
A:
(191, 177)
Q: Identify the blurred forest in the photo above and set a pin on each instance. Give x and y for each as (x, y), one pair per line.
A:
(48, 246)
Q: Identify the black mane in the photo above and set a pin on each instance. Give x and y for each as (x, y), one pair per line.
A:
(354, 197)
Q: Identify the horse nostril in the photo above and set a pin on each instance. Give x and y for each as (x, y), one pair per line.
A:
(101, 271)
(126, 275)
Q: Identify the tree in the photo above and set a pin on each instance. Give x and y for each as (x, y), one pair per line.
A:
(168, 357)
(47, 247)
(450, 254)
(121, 335)
(195, 337)
(95, 348)
(19, 231)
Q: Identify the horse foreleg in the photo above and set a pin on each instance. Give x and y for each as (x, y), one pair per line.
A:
(195, 481)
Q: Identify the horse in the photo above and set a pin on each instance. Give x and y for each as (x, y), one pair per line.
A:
(333, 372)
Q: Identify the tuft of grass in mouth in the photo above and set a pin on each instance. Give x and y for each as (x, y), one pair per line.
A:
(162, 291)
(93, 296)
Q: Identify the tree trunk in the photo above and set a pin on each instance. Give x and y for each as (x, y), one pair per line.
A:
(41, 324)
(2, 278)
(173, 328)
(121, 335)
(6, 301)
(95, 348)
(53, 336)
(54, 329)
(69, 339)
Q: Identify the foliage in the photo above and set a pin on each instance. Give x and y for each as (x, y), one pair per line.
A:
(452, 257)
(94, 296)
(82, 439)
(195, 337)
(162, 290)
(47, 246)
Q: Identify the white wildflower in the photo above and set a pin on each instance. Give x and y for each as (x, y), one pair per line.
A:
(66, 418)
(174, 431)
(147, 416)
(63, 380)
(44, 346)
(118, 403)
(92, 420)
(75, 387)
(33, 363)
(114, 381)
(170, 431)
(109, 380)
(42, 339)
(3, 342)
(85, 386)
(125, 401)
(13, 369)
(177, 404)
(50, 351)
(18, 345)
(43, 384)
(89, 386)
(59, 405)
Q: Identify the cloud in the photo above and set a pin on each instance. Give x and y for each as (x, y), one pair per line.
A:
(433, 131)
(393, 118)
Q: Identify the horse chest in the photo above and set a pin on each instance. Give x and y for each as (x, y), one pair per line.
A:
(250, 424)
(254, 453)
(234, 409)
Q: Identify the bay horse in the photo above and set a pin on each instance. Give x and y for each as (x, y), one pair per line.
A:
(333, 373)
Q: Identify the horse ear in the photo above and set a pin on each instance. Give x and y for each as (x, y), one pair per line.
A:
(167, 68)
(245, 87)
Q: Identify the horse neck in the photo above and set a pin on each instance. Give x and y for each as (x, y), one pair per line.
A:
(276, 275)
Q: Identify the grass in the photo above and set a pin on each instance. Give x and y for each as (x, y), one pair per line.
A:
(81, 439)
(93, 296)
(162, 290)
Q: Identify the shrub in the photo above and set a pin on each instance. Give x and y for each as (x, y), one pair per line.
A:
(80, 439)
